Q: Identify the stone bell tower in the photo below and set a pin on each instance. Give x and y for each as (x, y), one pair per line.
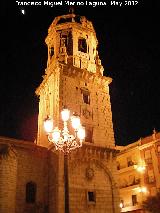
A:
(74, 78)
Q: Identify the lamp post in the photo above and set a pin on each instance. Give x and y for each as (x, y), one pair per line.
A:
(65, 142)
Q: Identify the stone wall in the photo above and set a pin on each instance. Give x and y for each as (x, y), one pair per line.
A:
(28, 163)
(8, 182)
(97, 114)
(92, 170)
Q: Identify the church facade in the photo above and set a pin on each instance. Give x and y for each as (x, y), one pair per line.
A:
(32, 174)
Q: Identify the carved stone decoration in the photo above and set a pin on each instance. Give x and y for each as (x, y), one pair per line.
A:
(89, 173)
(86, 113)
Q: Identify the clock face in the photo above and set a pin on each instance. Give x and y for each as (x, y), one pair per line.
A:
(89, 173)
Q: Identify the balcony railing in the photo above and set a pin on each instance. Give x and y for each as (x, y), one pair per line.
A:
(129, 207)
(129, 164)
(135, 182)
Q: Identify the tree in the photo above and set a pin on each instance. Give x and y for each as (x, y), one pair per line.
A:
(152, 203)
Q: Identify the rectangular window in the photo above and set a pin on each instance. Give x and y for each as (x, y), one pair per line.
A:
(134, 200)
(82, 45)
(85, 95)
(91, 196)
(31, 189)
(86, 98)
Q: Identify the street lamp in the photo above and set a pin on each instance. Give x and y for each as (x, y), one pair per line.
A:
(64, 141)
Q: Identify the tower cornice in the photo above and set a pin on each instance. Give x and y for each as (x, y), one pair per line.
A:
(85, 75)
(75, 72)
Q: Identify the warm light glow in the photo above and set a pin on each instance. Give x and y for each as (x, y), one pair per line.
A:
(75, 121)
(121, 205)
(65, 114)
(56, 134)
(140, 168)
(81, 133)
(62, 139)
(48, 125)
(142, 189)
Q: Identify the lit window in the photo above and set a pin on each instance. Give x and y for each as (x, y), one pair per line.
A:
(31, 189)
(82, 45)
(91, 196)
(158, 148)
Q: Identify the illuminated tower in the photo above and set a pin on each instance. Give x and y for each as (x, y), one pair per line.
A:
(74, 78)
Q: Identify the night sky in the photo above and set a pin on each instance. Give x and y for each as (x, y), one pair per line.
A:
(128, 48)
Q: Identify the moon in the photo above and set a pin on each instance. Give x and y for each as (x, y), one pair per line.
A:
(23, 11)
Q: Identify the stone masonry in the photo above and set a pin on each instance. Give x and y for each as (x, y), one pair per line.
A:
(74, 79)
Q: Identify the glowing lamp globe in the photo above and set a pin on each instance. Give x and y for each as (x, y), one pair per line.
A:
(65, 114)
(75, 122)
(81, 133)
(56, 134)
(48, 125)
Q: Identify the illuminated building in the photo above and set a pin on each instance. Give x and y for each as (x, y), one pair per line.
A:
(138, 166)
(32, 176)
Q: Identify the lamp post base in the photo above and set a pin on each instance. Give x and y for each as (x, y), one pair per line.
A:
(66, 183)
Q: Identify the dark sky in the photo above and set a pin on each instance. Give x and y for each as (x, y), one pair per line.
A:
(128, 47)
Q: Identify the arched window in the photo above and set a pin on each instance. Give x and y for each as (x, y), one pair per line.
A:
(85, 95)
(82, 45)
(31, 189)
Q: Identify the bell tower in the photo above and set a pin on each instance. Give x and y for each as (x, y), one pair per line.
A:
(74, 78)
